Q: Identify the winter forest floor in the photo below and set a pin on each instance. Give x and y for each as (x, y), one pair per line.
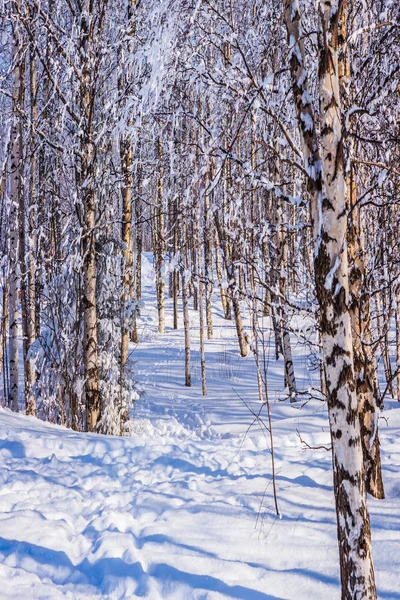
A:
(184, 508)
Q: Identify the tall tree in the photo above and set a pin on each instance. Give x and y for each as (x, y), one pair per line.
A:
(326, 182)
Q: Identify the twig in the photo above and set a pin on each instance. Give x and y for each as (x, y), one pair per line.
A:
(308, 447)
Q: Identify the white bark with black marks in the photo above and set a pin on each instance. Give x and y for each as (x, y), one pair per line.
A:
(326, 183)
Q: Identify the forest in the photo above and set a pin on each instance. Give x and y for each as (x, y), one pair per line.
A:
(200, 299)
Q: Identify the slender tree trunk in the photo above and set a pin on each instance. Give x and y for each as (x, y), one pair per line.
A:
(281, 244)
(30, 373)
(26, 255)
(87, 174)
(256, 350)
(15, 193)
(186, 326)
(192, 283)
(128, 271)
(139, 228)
(4, 326)
(175, 272)
(382, 318)
(201, 319)
(159, 250)
(280, 319)
(272, 297)
(253, 271)
(90, 344)
(232, 286)
(127, 263)
(207, 230)
(226, 307)
(397, 313)
(365, 367)
(244, 350)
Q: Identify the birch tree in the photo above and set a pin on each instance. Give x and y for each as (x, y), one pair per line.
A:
(324, 163)
(15, 205)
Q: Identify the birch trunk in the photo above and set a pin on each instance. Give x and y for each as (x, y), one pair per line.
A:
(226, 307)
(30, 372)
(4, 321)
(281, 255)
(139, 228)
(201, 324)
(15, 192)
(253, 271)
(397, 315)
(381, 320)
(232, 286)
(127, 261)
(175, 273)
(365, 367)
(186, 326)
(193, 281)
(272, 302)
(332, 278)
(87, 173)
(159, 240)
(286, 345)
(90, 345)
(207, 229)
(326, 183)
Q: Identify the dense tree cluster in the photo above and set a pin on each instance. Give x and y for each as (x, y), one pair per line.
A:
(253, 147)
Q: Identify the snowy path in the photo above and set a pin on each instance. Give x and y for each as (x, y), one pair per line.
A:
(184, 508)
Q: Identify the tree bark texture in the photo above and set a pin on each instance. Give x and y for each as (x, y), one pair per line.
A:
(326, 183)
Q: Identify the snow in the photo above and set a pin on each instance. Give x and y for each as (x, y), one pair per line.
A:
(382, 177)
(184, 509)
(331, 274)
(308, 121)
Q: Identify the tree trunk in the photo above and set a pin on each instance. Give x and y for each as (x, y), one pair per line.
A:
(127, 263)
(382, 319)
(159, 241)
(175, 272)
(186, 325)
(226, 307)
(281, 247)
(398, 341)
(87, 173)
(30, 373)
(328, 210)
(15, 193)
(139, 228)
(232, 286)
(365, 368)
(208, 236)
(4, 328)
(201, 319)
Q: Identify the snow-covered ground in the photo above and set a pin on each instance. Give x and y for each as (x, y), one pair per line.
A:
(184, 509)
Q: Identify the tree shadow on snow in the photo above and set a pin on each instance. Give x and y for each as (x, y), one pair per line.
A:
(186, 466)
(57, 566)
(166, 573)
(16, 449)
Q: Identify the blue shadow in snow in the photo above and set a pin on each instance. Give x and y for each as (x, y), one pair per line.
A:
(187, 467)
(16, 449)
(388, 595)
(159, 538)
(60, 570)
(205, 582)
